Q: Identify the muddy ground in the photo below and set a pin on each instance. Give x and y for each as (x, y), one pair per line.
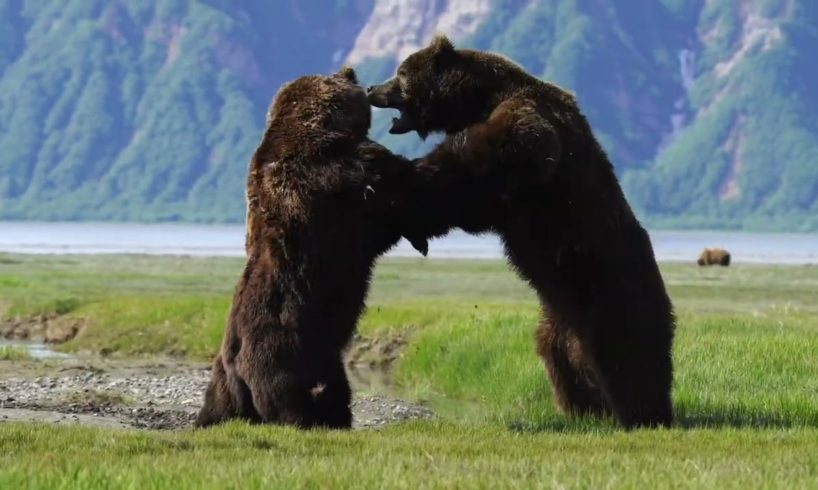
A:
(167, 394)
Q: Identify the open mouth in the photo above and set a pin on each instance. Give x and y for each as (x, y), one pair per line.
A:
(387, 96)
(402, 124)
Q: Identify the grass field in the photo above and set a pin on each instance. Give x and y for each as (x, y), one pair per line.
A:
(745, 392)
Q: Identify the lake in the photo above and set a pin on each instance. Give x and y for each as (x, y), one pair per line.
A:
(228, 240)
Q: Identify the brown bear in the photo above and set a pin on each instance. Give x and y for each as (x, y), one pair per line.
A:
(567, 228)
(714, 256)
(323, 203)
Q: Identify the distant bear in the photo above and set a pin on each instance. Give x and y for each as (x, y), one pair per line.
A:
(323, 203)
(555, 201)
(714, 256)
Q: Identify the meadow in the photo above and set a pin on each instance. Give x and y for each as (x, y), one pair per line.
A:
(745, 388)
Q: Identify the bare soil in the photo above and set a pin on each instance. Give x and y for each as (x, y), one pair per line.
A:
(167, 394)
(51, 328)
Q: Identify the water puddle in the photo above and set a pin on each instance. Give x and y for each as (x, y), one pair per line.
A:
(369, 378)
(369, 362)
(37, 350)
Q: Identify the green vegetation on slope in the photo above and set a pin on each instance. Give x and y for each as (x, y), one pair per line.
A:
(150, 111)
(748, 159)
(144, 111)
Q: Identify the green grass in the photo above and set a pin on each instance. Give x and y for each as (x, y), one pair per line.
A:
(729, 371)
(135, 304)
(745, 388)
(159, 305)
(13, 353)
(427, 455)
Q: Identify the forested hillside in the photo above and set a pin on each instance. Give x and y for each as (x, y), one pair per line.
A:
(132, 110)
(128, 110)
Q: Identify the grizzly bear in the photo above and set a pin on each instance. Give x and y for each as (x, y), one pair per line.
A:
(323, 203)
(714, 256)
(566, 226)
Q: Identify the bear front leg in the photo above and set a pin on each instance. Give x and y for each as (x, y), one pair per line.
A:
(457, 185)
(574, 394)
(332, 397)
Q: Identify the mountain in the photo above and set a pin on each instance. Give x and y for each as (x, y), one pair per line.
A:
(149, 111)
(128, 110)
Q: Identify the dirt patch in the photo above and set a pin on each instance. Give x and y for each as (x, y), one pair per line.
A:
(49, 328)
(54, 417)
(94, 397)
(378, 411)
(144, 394)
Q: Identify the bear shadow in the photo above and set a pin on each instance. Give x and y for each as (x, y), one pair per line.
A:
(693, 418)
(712, 417)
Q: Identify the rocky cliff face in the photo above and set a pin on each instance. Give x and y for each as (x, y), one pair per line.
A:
(397, 28)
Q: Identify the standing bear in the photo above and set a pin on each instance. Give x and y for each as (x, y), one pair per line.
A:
(323, 203)
(608, 325)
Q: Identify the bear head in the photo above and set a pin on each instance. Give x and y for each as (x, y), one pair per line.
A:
(317, 110)
(440, 88)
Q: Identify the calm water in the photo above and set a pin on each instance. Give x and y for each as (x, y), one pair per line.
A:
(217, 240)
(36, 350)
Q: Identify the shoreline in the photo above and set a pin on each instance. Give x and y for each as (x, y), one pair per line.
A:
(194, 240)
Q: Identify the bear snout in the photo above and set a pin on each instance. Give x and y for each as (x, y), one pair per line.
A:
(386, 95)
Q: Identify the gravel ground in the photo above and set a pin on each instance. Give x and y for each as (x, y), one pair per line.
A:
(150, 396)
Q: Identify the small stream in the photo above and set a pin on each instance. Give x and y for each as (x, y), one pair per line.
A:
(37, 350)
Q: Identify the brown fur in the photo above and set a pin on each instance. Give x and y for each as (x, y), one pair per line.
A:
(714, 256)
(553, 197)
(323, 203)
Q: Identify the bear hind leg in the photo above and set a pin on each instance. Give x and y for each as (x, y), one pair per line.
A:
(221, 402)
(574, 392)
(226, 397)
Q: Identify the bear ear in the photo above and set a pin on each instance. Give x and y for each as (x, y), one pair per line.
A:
(441, 44)
(348, 73)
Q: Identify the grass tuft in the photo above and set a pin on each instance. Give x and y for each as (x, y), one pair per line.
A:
(13, 353)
